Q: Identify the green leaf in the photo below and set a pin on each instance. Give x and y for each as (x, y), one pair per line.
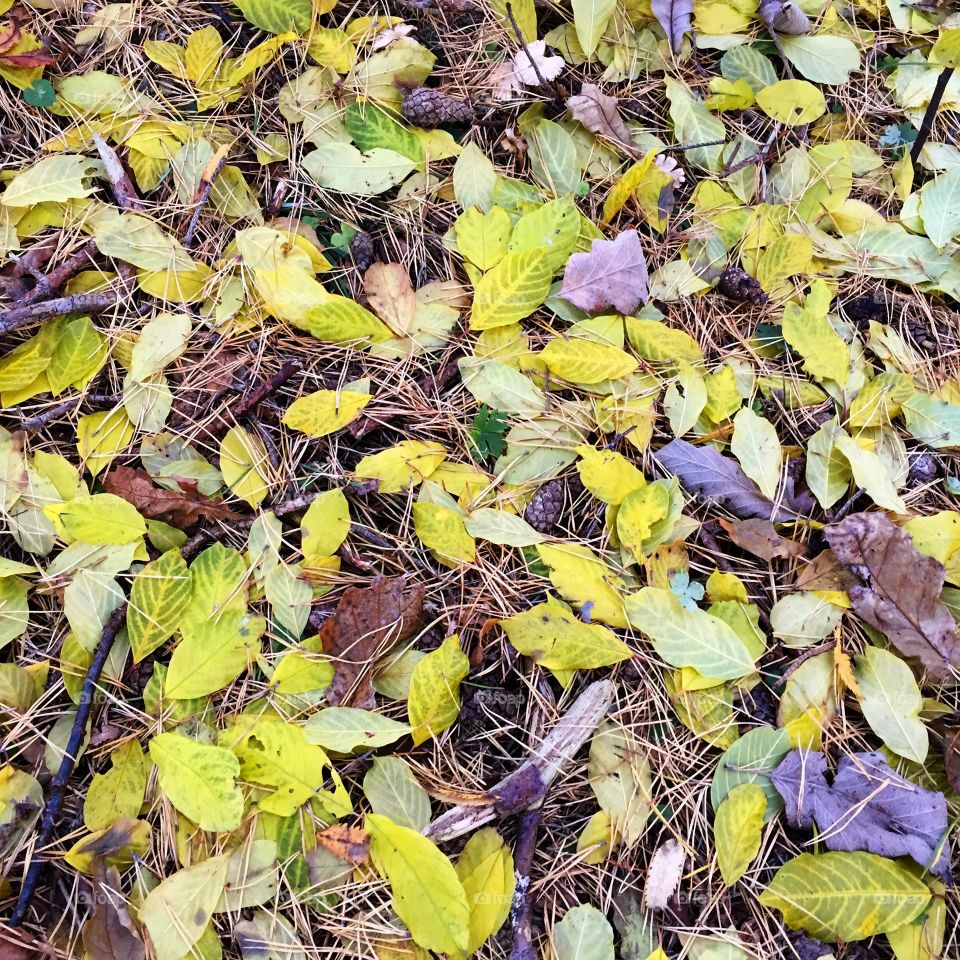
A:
(756, 445)
(158, 598)
(932, 421)
(487, 433)
(822, 59)
(688, 638)
(371, 127)
(891, 702)
(750, 760)
(346, 728)
(434, 701)
(40, 93)
(553, 159)
(738, 830)
(483, 237)
(427, 894)
(554, 228)
(393, 791)
(619, 775)
(810, 333)
(279, 16)
(584, 933)
(343, 168)
(845, 896)
(199, 780)
(693, 123)
(590, 19)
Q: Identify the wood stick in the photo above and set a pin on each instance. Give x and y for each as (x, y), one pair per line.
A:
(16, 317)
(59, 782)
(267, 387)
(926, 124)
(55, 279)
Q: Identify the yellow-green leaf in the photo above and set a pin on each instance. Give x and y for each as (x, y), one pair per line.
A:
(434, 701)
(792, 102)
(118, 793)
(158, 597)
(485, 869)
(101, 436)
(583, 361)
(244, 464)
(512, 290)
(738, 830)
(443, 531)
(325, 411)
(103, 519)
(408, 463)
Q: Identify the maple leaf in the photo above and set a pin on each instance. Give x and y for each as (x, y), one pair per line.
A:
(868, 807)
(613, 273)
(901, 596)
(367, 623)
(180, 508)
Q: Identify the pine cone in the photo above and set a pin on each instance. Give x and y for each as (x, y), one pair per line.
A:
(363, 250)
(923, 469)
(544, 510)
(428, 108)
(737, 284)
(861, 310)
(922, 335)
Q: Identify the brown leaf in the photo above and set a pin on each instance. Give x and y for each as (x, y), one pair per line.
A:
(760, 538)
(180, 509)
(612, 274)
(391, 296)
(368, 621)
(348, 843)
(901, 597)
(109, 933)
(27, 60)
(600, 115)
(825, 572)
(9, 35)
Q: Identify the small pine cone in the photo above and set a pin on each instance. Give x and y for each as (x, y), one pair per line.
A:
(363, 250)
(921, 335)
(428, 108)
(544, 510)
(861, 310)
(923, 469)
(737, 284)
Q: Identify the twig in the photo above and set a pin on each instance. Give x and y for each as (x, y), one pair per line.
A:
(522, 907)
(265, 388)
(203, 191)
(59, 782)
(926, 124)
(778, 43)
(124, 192)
(682, 147)
(16, 317)
(758, 157)
(99, 401)
(548, 758)
(51, 282)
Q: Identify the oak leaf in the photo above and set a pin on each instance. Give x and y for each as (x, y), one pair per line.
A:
(368, 622)
(901, 595)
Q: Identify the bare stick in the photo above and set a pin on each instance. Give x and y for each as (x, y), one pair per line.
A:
(522, 907)
(59, 782)
(546, 761)
(926, 124)
(55, 279)
(124, 191)
(17, 317)
(266, 387)
(203, 191)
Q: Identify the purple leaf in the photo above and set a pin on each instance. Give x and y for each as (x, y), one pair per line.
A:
(868, 807)
(676, 18)
(612, 274)
(704, 471)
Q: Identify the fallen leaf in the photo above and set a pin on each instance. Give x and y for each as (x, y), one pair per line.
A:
(784, 17)
(180, 508)
(348, 843)
(704, 471)
(825, 572)
(367, 623)
(951, 757)
(676, 18)
(391, 296)
(533, 60)
(760, 538)
(612, 274)
(663, 875)
(109, 933)
(901, 596)
(868, 807)
(598, 112)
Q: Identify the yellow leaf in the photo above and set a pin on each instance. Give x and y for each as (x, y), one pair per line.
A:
(427, 894)
(212, 654)
(408, 463)
(483, 238)
(325, 525)
(792, 102)
(730, 94)
(786, 256)
(58, 178)
(244, 465)
(443, 531)
(434, 701)
(738, 830)
(512, 290)
(639, 511)
(119, 792)
(581, 577)
(583, 361)
(101, 436)
(158, 597)
(203, 55)
(103, 519)
(325, 411)
(485, 869)
(648, 185)
(199, 780)
(126, 839)
(608, 475)
(946, 51)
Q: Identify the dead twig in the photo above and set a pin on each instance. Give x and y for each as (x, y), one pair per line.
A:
(16, 317)
(203, 191)
(522, 907)
(926, 124)
(124, 192)
(51, 282)
(266, 388)
(71, 752)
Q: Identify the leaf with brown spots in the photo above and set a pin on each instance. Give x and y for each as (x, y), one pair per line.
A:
(348, 843)
(180, 508)
(760, 538)
(367, 623)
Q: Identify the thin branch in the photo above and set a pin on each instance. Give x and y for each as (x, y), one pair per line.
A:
(266, 388)
(522, 907)
(59, 782)
(929, 115)
(203, 191)
(16, 317)
(51, 282)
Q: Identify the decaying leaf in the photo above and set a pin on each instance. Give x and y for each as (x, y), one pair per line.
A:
(901, 593)
(613, 274)
(598, 112)
(180, 508)
(868, 807)
(109, 933)
(676, 18)
(368, 622)
(760, 538)
(663, 875)
(348, 843)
